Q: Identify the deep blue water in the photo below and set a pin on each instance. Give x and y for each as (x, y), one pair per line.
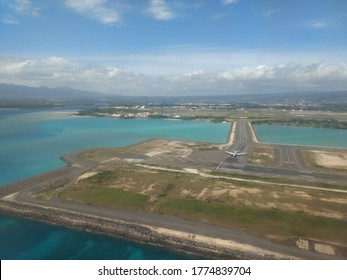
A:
(32, 141)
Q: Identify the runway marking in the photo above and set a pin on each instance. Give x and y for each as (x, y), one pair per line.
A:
(296, 158)
(167, 157)
(191, 160)
(288, 156)
(281, 157)
(180, 159)
(220, 165)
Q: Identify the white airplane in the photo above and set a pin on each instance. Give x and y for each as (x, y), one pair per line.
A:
(235, 153)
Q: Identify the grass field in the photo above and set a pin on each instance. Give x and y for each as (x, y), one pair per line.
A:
(266, 208)
(107, 197)
(265, 222)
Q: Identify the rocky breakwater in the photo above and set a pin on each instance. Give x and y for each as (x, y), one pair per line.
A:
(120, 229)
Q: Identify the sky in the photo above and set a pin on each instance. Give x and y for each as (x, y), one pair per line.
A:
(175, 47)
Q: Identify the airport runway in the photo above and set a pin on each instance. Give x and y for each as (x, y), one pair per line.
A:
(288, 160)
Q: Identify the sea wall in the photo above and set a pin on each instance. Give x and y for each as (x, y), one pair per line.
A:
(120, 229)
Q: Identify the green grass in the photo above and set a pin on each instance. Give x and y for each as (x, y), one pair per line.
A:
(107, 197)
(102, 177)
(255, 220)
(165, 191)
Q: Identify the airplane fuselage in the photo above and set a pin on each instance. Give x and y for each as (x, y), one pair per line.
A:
(235, 153)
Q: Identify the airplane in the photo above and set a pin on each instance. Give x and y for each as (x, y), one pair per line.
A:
(235, 153)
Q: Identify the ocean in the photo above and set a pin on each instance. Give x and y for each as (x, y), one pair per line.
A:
(22, 239)
(32, 142)
(309, 136)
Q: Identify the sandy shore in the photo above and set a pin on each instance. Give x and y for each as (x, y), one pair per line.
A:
(254, 134)
(231, 134)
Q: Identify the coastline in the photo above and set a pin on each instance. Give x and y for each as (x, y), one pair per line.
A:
(231, 134)
(255, 136)
(175, 240)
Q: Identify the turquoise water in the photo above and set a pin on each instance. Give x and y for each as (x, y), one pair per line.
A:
(309, 136)
(25, 239)
(31, 142)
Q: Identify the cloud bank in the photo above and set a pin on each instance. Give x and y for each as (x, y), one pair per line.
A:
(62, 72)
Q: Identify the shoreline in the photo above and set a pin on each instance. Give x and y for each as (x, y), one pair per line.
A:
(255, 136)
(231, 134)
(174, 240)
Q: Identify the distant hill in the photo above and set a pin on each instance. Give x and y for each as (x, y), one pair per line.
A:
(16, 95)
(24, 96)
(8, 91)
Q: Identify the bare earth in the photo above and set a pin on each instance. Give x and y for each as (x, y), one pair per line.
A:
(331, 160)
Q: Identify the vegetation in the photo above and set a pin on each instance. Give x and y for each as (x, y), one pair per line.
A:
(107, 197)
(260, 221)
(254, 204)
(328, 123)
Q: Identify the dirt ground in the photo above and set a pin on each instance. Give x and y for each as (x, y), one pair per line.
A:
(331, 160)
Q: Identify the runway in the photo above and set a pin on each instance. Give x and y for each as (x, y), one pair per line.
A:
(288, 162)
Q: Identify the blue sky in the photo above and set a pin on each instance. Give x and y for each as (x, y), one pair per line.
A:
(175, 47)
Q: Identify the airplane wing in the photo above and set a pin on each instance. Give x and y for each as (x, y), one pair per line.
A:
(235, 153)
(231, 153)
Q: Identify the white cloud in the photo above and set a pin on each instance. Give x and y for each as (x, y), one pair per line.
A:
(25, 7)
(228, 2)
(9, 19)
(317, 23)
(186, 59)
(103, 11)
(260, 78)
(269, 13)
(20, 8)
(159, 10)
